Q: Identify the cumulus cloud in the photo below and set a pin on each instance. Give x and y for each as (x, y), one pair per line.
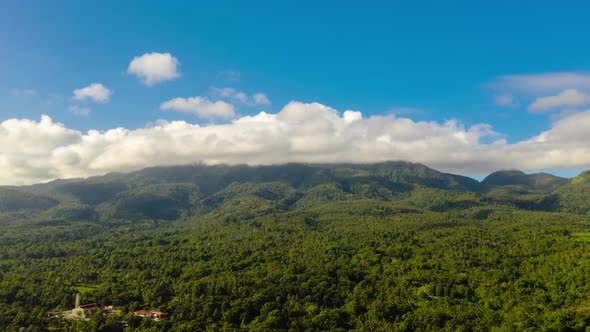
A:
(95, 92)
(567, 98)
(34, 151)
(200, 106)
(27, 147)
(239, 96)
(80, 111)
(153, 68)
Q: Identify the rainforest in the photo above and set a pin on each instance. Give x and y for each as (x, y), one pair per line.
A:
(392, 246)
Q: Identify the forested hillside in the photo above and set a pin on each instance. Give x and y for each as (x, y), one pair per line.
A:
(168, 192)
(383, 247)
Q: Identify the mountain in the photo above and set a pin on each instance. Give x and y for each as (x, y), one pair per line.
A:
(91, 193)
(167, 201)
(169, 193)
(575, 195)
(541, 182)
(524, 191)
(13, 199)
(258, 248)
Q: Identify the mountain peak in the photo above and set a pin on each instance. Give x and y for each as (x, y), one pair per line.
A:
(535, 181)
(506, 177)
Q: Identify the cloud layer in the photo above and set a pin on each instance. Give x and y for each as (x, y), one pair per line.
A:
(153, 68)
(34, 151)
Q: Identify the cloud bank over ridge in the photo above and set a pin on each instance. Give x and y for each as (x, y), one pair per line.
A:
(36, 151)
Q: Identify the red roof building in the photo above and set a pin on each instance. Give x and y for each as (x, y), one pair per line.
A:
(152, 314)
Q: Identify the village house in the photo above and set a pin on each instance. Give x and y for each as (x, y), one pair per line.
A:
(83, 311)
(90, 307)
(152, 314)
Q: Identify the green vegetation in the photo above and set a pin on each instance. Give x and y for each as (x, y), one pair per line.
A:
(574, 197)
(541, 182)
(384, 247)
(582, 236)
(13, 199)
(85, 288)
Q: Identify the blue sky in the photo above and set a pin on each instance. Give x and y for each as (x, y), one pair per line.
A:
(429, 61)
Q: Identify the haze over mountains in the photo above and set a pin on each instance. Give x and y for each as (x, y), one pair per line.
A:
(169, 193)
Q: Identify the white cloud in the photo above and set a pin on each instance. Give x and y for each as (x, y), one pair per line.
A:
(543, 82)
(200, 106)
(544, 91)
(261, 99)
(39, 151)
(23, 92)
(42, 100)
(567, 98)
(505, 100)
(153, 68)
(80, 111)
(563, 114)
(222, 92)
(229, 75)
(95, 92)
(27, 146)
(239, 97)
(351, 116)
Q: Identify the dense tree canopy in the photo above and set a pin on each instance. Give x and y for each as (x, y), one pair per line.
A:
(395, 247)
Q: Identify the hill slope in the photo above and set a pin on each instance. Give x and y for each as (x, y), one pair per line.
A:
(169, 193)
(541, 182)
(575, 195)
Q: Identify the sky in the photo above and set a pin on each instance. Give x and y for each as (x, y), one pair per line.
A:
(91, 87)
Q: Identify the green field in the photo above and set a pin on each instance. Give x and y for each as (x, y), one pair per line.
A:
(85, 288)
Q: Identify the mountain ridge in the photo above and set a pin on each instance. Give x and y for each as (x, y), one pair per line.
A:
(544, 182)
(170, 192)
